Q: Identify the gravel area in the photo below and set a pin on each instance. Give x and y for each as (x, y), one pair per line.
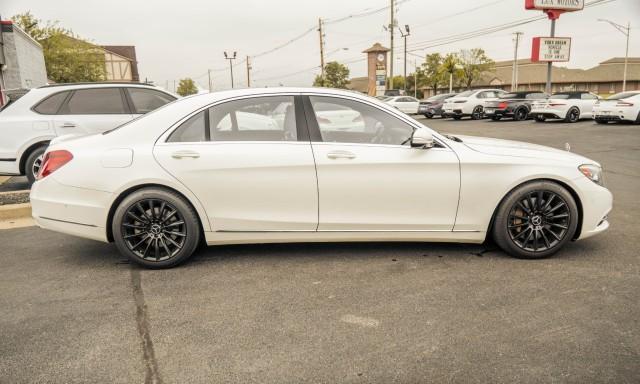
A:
(14, 198)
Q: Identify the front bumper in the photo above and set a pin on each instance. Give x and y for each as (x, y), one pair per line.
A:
(597, 202)
(71, 210)
(9, 167)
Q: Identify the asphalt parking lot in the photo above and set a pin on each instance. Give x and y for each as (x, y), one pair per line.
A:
(74, 311)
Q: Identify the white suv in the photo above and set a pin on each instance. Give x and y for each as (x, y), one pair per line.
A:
(28, 124)
(470, 103)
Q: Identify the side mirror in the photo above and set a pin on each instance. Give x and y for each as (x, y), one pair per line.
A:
(422, 138)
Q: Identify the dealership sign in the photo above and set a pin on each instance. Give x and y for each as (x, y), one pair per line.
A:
(557, 5)
(550, 49)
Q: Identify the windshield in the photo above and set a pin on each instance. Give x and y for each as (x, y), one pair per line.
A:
(466, 94)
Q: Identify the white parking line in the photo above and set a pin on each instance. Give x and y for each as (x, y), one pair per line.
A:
(361, 321)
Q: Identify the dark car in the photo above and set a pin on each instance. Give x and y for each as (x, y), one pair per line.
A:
(516, 105)
(433, 105)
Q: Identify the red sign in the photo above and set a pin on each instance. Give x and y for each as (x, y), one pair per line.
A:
(556, 5)
(550, 49)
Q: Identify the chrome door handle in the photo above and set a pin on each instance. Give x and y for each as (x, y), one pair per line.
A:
(341, 155)
(68, 125)
(184, 154)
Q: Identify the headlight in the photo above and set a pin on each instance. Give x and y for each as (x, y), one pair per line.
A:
(592, 172)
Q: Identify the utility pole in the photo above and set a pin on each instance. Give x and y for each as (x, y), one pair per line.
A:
(404, 36)
(230, 58)
(514, 73)
(625, 31)
(321, 32)
(248, 73)
(209, 73)
(392, 25)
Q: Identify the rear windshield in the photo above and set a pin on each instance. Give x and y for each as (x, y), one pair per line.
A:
(622, 95)
(466, 93)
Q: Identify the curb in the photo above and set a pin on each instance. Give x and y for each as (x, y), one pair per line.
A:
(15, 211)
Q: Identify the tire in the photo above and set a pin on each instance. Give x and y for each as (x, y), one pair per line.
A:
(477, 112)
(496, 118)
(540, 119)
(428, 115)
(33, 163)
(528, 226)
(573, 115)
(456, 117)
(598, 121)
(520, 114)
(156, 240)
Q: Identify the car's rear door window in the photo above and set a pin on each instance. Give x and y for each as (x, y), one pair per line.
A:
(50, 105)
(95, 101)
(146, 100)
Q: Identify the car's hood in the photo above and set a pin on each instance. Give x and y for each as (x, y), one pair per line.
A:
(521, 149)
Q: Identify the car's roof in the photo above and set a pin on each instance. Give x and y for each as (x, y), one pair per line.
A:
(106, 84)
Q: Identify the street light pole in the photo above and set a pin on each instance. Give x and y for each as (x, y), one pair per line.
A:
(550, 64)
(625, 31)
(404, 36)
(514, 75)
(230, 58)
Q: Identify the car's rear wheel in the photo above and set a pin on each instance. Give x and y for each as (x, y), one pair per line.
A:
(477, 113)
(540, 118)
(33, 163)
(535, 220)
(573, 115)
(520, 114)
(156, 228)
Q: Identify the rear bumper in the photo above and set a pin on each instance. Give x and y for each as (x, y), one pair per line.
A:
(71, 210)
(547, 114)
(498, 112)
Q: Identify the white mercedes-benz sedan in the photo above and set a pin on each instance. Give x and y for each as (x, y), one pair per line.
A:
(263, 165)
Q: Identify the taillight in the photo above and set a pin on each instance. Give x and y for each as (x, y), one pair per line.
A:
(52, 161)
(502, 105)
(624, 104)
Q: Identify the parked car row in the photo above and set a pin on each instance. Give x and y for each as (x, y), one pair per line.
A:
(497, 104)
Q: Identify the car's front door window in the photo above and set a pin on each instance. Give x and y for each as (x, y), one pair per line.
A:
(348, 121)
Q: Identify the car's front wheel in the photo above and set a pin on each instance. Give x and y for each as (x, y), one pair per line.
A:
(535, 220)
(573, 115)
(33, 163)
(156, 228)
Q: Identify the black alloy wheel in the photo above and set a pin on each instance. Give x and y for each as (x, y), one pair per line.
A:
(535, 220)
(520, 114)
(156, 228)
(573, 115)
(477, 113)
(539, 221)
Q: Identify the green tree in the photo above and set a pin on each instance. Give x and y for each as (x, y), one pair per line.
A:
(434, 75)
(67, 57)
(187, 87)
(336, 75)
(451, 68)
(474, 63)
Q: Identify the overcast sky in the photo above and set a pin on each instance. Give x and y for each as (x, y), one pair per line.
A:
(177, 39)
